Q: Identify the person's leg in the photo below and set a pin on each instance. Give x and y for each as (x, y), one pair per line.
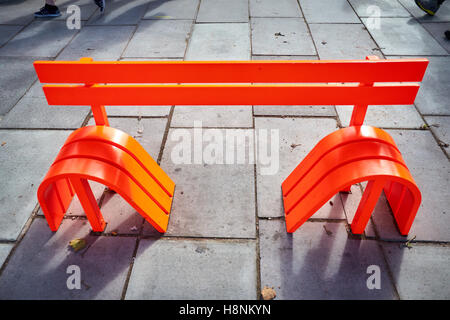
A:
(429, 6)
(49, 10)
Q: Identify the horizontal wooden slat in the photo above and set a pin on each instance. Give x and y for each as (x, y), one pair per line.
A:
(394, 70)
(111, 95)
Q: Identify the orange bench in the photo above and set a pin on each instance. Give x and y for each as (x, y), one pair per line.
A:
(345, 157)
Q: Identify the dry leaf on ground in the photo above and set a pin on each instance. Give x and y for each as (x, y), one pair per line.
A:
(268, 293)
(77, 244)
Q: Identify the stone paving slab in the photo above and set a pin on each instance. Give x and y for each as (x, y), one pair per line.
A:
(38, 267)
(343, 41)
(442, 15)
(269, 8)
(281, 36)
(25, 158)
(402, 116)
(219, 41)
(391, 38)
(87, 9)
(120, 217)
(18, 12)
(385, 8)
(138, 111)
(98, 42)
(180, 9)
(213, 116)
(218, 201)
(16, 77)
(159, 38)
(194, 269)
(7, 32)
(432, 98)
(430, 169)
(268, 57)
(42, 116)
(44, 38)
(120, 12)
(328, 11)
(211, 200)
(319, 261)
(223, 11)
(420, 272)
(35, 90)
(297, 136)
(320, 111)
(382, 220)
(5, 249)
(438, 32)
(441, 128)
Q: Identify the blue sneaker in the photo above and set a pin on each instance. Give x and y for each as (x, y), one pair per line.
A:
(48, 11)
(100, 4)
(429, 6)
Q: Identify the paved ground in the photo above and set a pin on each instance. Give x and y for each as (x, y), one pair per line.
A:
(226, 236)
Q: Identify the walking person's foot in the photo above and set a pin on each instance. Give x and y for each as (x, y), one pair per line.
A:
(48, 11)
(429, 6)
(100, 4)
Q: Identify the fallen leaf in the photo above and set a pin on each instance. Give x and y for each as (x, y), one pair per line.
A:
(268, 293)
(114, 233)
(77, 244)
(408, 243)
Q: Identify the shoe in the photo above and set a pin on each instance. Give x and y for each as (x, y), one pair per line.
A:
(429, 6)
(100, 4)
(48, 11)
(447, 34)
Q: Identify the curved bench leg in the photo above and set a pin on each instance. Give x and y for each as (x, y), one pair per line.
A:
(114, 159)
(89, 204)
(366, 205)
(346, 157)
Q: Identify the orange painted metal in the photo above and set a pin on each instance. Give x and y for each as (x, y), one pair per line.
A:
(283, 71)
(113, 95)
(113, 158)
(359, 110)
(345, 157)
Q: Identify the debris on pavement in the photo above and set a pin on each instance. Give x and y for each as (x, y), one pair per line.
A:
(77, 244)
(268, 293)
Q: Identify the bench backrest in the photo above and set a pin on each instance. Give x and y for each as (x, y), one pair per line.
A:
(313, 82)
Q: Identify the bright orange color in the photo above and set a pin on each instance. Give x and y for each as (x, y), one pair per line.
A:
(113, 158)
(343, 158)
